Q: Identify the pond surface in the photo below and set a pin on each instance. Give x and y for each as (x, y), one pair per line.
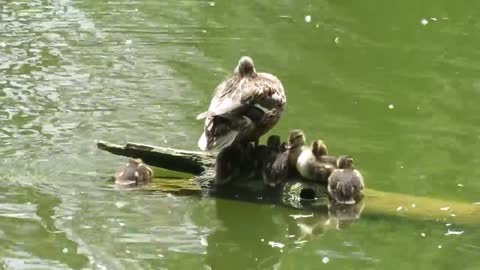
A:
(394, 84)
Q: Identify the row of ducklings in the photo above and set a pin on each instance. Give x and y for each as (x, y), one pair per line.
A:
(276, 162)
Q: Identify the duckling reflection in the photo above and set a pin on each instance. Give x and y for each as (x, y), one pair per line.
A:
(291, 229)
(309, 165)
(342, 216)
(135, 173)
(345, 184)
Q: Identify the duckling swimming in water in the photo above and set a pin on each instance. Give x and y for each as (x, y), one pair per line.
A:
(243, 108)
(135, 173)
(311, 167)
(345, 184)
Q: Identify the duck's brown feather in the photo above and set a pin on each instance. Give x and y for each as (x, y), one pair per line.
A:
(251, 105)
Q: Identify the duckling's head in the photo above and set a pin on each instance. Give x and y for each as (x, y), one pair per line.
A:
(345, 162)
(296, 138)
(274, 141)
(319, 148)
(245, 66)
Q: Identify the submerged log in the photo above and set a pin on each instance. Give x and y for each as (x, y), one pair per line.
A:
(294, 193)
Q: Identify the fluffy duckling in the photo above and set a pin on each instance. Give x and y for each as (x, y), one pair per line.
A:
(345, 184)
(135, 173)
(263, 151)
(275, 167)
(233, 162)
(243, 108)
(296, 144)
(320, 151)
(309, 167)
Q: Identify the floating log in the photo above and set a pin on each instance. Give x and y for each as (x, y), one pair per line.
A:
(193, 162)
(291, 194)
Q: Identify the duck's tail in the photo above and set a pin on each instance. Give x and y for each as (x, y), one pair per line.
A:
(202, 115)
(217, 143)
(202, 142)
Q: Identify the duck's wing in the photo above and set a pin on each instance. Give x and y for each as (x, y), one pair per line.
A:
(220, 132)
(202, 115)
(243, 96)
(267, 91)
(217, 143)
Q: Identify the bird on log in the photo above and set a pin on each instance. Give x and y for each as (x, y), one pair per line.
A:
(243, 108)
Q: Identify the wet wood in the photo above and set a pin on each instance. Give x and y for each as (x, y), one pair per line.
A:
(193, 162)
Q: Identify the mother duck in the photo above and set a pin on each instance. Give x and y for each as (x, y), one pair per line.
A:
(243, 108)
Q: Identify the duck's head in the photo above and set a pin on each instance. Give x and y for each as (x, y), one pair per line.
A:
(245, 66)
(345, 162)
(319, 148)
(274, 142)
(296, 138)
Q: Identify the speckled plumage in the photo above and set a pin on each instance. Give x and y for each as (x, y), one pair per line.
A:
(274, 162)
(243, 108)
(134, 173)
(310, 165)
(345, 184)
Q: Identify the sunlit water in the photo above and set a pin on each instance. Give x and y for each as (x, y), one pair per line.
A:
(395, 85)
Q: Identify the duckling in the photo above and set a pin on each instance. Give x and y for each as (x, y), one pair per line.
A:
(309, 167)
(345, 184)
(243, 108)
(320, 151)
(296, 144)
(233, 162)
(135, 173)
(275, 165)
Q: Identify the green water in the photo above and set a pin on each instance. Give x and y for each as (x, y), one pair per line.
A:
(73, 71)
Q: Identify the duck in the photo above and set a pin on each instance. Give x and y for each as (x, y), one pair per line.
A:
(345, 184)
(309, 163)
(274, 168)
(135, 173)
(232, 162)
(243, 108)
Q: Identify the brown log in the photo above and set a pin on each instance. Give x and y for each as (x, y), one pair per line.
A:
(193, 162)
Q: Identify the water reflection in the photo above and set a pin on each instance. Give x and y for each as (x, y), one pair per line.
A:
(271, 231)
(73, 71)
